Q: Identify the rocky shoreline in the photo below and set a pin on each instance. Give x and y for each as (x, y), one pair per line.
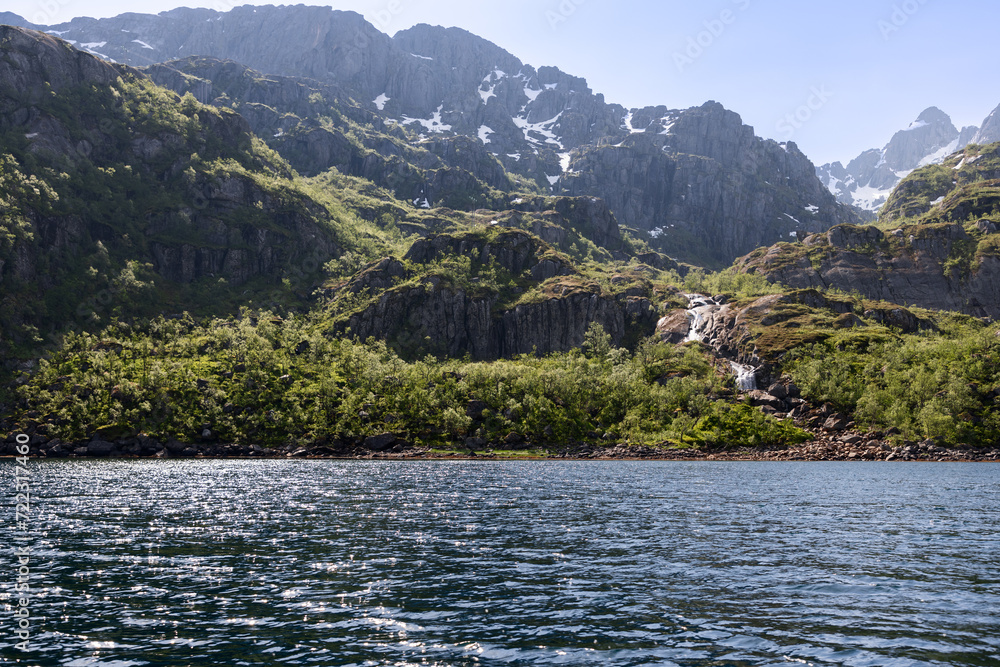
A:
(835, 437)
(828, 445)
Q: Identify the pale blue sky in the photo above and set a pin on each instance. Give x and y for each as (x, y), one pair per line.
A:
(865, 67)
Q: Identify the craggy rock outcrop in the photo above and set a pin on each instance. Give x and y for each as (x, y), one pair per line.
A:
(722, 327)
(707, 185)
(442, 318)
(931, 266)
(514, 250)
(990, 131)
(227, 247)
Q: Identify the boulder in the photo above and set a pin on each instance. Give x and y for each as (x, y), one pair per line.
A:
(100, 448)
(380, 443)
(175, 447)
(836, 422)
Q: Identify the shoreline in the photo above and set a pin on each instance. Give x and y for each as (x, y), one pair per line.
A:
(835, 437)
(813, 451)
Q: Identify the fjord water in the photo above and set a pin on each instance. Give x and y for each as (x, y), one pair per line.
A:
(512, 563)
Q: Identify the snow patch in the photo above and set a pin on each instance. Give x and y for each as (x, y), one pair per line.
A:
(484, 133)
(544, 129)
(532, 95)
(514, 156)
(91, 49)
(491, 80)
(812, 209)
(656, 232)
(870, 198)
(487, 94)
(551, 86)
(564, 160)
(432, 124)
(627, 124)
(380, 101)
(966, 160)
(421, 57)
(916, 125)
(58, 33)
(937, 201)
(141, 43)
(552, 179)
(668, 124)
(939, 155)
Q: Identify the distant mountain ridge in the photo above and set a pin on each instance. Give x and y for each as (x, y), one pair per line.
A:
(696, 183)
(869, 179)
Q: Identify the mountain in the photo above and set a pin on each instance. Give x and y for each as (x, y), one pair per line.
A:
(868, 180)
(120, 198)
(990, 131)
(9, 18)
(936, 246)
(696, 184)
(166, 273)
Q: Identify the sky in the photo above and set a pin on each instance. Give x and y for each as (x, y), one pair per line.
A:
(835, 77)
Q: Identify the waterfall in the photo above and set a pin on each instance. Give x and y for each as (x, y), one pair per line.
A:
(746, 377)
(698, 305)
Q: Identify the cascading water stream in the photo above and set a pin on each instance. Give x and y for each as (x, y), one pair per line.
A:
(746, 377)
(700, 308)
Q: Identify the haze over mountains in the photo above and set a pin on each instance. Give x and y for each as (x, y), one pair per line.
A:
(868, 180)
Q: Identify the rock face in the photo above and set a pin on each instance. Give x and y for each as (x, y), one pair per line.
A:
(990, 131)
(682, 178)
(163, 209)
(912, 265)
(443, 318)
(869, 179)
(308, 123)
(701, 179)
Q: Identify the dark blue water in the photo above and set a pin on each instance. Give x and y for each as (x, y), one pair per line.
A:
(504, 563)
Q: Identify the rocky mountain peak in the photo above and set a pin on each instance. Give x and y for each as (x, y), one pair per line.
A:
(990, 131)
(32, 57)
(869, 179)
(919, 143)
(681, 179)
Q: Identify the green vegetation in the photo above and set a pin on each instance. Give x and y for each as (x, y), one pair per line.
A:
(267, 380)
(944, 386)
(131, 182)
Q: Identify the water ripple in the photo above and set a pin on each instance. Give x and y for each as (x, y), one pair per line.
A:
(504, 563)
